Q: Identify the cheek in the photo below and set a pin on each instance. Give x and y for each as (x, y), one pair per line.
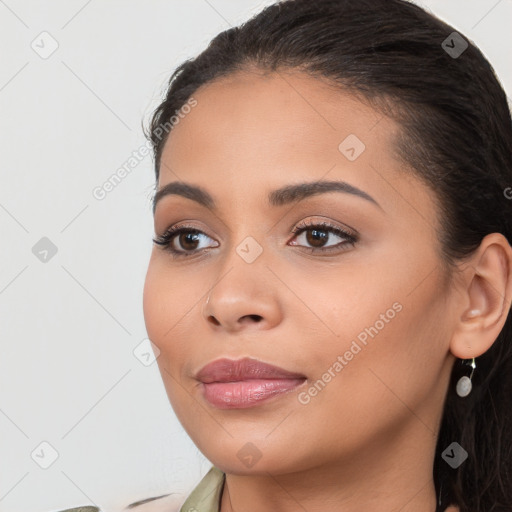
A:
(377, 324)
(391, 351)
(163, 317)
(170, 302)
(168, 306)
(154, 305)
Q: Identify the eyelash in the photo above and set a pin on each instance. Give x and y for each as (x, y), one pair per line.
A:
(166, 239)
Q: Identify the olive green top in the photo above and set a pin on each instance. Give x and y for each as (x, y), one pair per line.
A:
(207, 494)
(87, 508)
(205, 497)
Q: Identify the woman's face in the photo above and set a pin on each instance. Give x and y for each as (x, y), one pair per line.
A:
(367, 321)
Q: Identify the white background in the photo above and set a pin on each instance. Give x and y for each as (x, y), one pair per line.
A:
(68, 327)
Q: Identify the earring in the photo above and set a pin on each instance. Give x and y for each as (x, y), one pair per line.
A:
(464, 384)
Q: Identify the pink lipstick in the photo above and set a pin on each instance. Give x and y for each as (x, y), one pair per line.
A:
(242, 383)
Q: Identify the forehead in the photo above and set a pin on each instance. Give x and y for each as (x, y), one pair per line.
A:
(252, 132)
(281, 110)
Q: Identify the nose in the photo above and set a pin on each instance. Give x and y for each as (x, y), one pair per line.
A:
(243, 299)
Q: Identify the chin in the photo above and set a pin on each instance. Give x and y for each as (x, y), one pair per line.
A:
(252, 457)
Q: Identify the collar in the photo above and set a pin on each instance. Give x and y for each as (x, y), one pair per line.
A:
(207, 494)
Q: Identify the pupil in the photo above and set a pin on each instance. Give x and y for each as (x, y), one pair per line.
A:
(187, 237)
(317, 238)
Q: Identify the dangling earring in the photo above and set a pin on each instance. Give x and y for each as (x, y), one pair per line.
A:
(464, 384)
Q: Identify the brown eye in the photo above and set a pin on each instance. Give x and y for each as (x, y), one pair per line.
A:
(186, 238)
(317, 235)
(188, 241)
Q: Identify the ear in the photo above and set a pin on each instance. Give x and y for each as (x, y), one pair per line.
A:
(486, 297)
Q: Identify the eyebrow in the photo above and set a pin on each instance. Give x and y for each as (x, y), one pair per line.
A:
(279, 197)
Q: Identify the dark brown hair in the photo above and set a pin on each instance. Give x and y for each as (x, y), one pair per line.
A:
(456, 136)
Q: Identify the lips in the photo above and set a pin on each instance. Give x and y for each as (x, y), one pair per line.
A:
(229, 370)
(243, 383)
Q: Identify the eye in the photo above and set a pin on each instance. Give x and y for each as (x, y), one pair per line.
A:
(187, 237)
(317, 234)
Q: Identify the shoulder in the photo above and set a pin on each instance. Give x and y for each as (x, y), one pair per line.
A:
(205, 497)
(87, 508)
(163, 503)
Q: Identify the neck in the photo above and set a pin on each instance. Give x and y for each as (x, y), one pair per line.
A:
(388, 476)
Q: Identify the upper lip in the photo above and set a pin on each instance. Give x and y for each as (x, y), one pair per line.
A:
(230, 370)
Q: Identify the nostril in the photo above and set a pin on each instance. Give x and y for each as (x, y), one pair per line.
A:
(257, 318)
(213, 320)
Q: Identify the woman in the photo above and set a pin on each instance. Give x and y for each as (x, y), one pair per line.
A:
(331, 281)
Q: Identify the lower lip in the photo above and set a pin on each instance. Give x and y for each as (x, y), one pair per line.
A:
(246, 393)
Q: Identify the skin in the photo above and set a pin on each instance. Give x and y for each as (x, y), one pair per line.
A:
(366, 441)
